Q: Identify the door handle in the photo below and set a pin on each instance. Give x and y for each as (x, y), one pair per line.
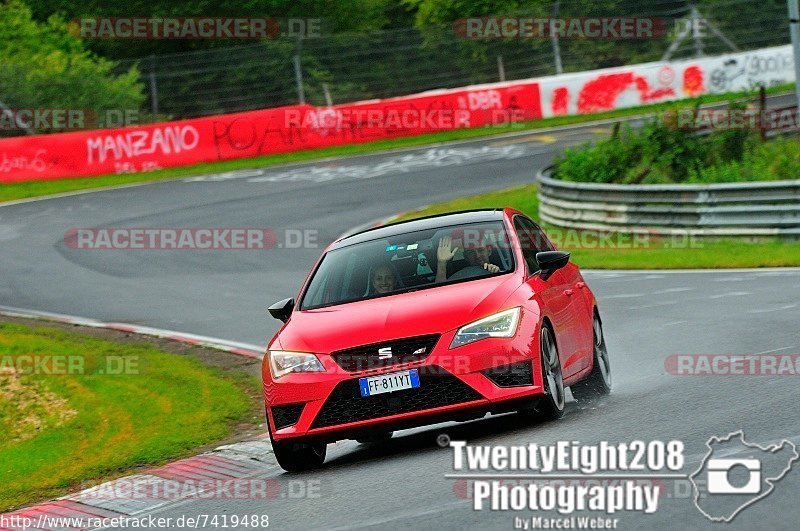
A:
(568, 292)
(580, 285)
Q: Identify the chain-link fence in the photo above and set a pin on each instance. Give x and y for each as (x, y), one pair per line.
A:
(352, 67)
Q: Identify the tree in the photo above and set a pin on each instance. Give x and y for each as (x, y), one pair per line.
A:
(42, 65)
(338, 16)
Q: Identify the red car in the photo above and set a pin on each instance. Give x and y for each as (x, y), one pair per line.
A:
(436, 319)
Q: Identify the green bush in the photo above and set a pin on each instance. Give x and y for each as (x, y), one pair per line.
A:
(660, 152)
(45, 66)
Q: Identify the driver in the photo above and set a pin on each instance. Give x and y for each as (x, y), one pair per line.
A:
(477, 257)
(383, 280)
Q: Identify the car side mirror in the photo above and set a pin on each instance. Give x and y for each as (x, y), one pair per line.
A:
(281, 310)
(550, 261)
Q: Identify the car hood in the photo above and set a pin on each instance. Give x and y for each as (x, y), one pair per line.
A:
(428, 311)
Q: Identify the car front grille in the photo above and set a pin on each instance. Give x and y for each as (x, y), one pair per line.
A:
(437, 388)
(285, 416)
(513, 375)
(402, 351)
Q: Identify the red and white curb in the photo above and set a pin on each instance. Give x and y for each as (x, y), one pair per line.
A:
(234, 347)
(231, 472)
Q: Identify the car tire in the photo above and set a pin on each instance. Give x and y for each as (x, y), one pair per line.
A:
(297, 455)
(551, 406)
(598, 383)
(375, 438)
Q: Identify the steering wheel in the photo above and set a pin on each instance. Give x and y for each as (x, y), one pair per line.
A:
(468, 272)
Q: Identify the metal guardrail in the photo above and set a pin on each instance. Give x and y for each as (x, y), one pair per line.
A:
(768, 208)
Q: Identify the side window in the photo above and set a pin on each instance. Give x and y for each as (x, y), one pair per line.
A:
(532, 239)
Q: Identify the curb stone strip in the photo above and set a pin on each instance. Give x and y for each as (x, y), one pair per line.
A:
(230, 462)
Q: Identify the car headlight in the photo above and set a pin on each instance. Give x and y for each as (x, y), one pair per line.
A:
(501, 324)
(282, 363)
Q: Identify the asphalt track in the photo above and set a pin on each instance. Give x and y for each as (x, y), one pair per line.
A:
(648, 317)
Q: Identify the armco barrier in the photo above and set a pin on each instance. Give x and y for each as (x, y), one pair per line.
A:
(730, 209)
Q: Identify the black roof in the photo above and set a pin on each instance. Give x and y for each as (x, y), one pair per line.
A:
(429, 222)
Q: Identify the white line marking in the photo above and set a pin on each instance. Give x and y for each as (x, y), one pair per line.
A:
(671, 290)
(773, 350)
(730, 294)
(781, 308)
(657, 305)
(427, 160)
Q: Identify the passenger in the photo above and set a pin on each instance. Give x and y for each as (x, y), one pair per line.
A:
(477, 257)
(383, 280)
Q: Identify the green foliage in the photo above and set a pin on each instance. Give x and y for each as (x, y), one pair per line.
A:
(337, 16)
(45, 66)
(660, 153)
(776, 159)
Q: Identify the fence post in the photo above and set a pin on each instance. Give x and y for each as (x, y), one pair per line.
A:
(697, 35)
(153, 87)
(794, 29)
(762, 108)
(327, 91)
(554, 38)
(501, 69)
(298, 73)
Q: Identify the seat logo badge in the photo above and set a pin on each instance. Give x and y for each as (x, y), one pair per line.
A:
(385, 353)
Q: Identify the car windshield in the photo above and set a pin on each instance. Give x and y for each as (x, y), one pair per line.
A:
(409, 262)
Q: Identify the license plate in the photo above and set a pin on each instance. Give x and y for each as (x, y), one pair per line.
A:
(386, 383)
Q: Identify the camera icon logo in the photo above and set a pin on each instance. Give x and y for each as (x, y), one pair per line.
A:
(719, 481)
(735, 474)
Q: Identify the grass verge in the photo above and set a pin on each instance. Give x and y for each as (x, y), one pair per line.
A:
(14, 191)
(94, 408)
(623, 252)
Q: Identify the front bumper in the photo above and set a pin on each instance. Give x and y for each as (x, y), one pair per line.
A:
(455, 384)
